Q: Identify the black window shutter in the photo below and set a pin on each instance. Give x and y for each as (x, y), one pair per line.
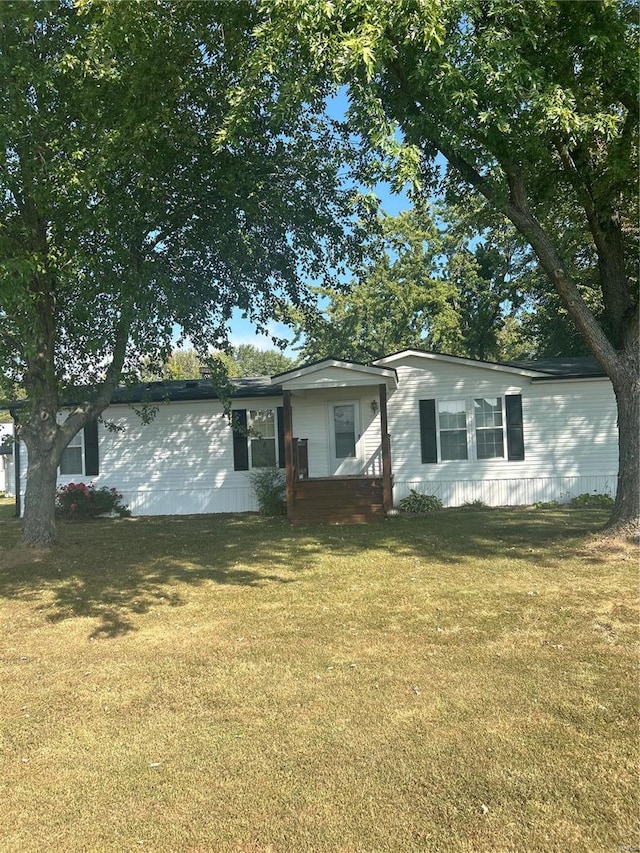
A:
(515, 433)
(91, 455)
(240, 441)
(428, 440)
(280, 415)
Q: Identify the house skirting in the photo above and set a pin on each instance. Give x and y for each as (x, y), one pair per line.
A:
(509, 492)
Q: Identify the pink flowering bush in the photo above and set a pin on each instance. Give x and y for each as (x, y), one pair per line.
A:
(78, 501)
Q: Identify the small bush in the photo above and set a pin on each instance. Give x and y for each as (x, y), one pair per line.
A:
(546, 504)
(589, 500)
(477, 504)
(79, 502)
(418, 502)
(270, 490)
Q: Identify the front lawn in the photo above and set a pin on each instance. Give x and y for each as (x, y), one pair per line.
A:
(464, 681)
(7, 508)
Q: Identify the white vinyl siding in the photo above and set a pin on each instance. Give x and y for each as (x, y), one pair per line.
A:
(570, 436)
(311, 415)
(182, 462)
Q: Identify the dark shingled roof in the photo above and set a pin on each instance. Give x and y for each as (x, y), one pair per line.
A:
(176, 390)
(567, 367)
(564, 367)
(193, 389)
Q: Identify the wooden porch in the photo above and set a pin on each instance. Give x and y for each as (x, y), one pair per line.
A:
(337, 500)
(352, 499)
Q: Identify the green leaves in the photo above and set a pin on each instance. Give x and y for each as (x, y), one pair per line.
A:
(533, 106)
(152, 179)
(139, 193)
(429, 287)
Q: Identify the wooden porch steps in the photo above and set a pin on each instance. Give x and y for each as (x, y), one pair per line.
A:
(338, 500)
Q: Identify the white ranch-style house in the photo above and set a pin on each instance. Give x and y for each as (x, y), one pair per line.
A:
(353, 439)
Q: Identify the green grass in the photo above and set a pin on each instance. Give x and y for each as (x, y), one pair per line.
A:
(464, 681)
(7, 508)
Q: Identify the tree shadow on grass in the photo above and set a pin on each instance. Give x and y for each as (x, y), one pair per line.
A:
(452, 535)
(114, 571)
(116, 599)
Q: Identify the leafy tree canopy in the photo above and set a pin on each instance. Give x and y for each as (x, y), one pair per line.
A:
(432, 286)
(243, 360)
(124, 210)
(250, 360)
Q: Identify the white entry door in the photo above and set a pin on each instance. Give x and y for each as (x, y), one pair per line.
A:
(345, 451)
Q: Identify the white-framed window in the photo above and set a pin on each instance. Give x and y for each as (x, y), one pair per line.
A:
(471, 428)
(263, 445)
(489, 427)
(71, 461)
(452, 429)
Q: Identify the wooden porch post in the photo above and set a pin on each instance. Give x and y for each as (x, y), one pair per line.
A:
(387, 494)
(288, 451)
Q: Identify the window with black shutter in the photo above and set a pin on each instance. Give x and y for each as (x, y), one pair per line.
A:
(472, 429)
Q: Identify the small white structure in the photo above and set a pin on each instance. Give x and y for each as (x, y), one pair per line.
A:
(463, 430)
(6, 460)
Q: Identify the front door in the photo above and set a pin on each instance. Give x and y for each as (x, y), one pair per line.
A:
(345, 438)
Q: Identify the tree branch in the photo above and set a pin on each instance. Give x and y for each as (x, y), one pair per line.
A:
(583, 193)
(518, 212)
(91, 409)
(516, 209)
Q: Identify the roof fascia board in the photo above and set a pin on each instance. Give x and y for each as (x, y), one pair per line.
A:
(454, 359)
(372, 382)
(549, 378)
(159, 395)
(274, 397)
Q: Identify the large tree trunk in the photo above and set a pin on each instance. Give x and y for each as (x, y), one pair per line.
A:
(626, 512)
(39, 522)
(45, 439)
(618, 356)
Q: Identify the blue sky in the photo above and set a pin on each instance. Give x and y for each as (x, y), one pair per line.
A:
(242, 331)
